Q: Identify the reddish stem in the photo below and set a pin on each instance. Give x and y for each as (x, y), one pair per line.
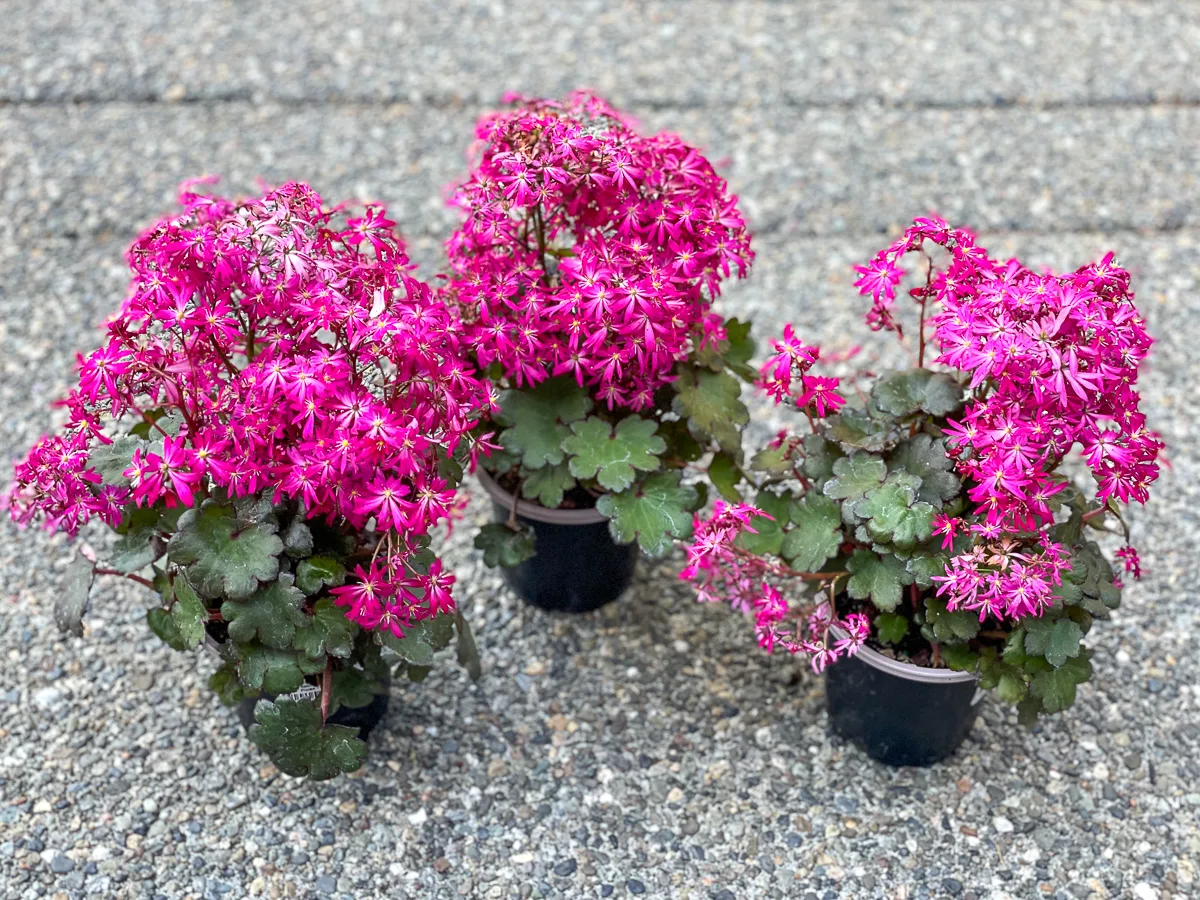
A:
(326, 688)
(138, 578)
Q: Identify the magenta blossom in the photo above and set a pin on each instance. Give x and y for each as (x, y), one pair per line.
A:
(589, 249)
(273, 346)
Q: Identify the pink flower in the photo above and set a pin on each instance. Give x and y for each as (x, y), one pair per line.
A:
(1133, 563)
(589, 249)
(947, 527)
(293, 356)
(1050, 357)
(821, 394)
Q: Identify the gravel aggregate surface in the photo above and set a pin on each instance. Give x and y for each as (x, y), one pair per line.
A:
(647, 749)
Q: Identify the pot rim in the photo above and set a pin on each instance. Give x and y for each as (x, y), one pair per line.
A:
(907, 671)
(536, 511)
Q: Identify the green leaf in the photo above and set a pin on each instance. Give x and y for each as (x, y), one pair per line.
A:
(133, 552)
(273, 670)
(1027, 711)
(451, 470)
(768, 537)
(892, 515)
(257, 510)
(351, 688)
(725, 475)
(738, 348)
(465, 649)
(610, 455)
(298, 539)
(710, 403)
(221, 560)
(110, 460)
(72, 602)
(188, 612)
(960, 657)
(854, 476)
(327, 631)
(421, 640)
(652, 512)
(1014, 648)
(547, 484)
(225, 684)
(502, 546)
(1011, 689)
(891, 627)
(291, 734)
(439, 630)
(923, 568)
(681, 445)
(316, 572)
(413, 648)
(926, 458)
(164, 626)
(538, 418)
(272, 614)
(772, 460)
(819, 457)
(500, 461)
(959, 625)
(877, 578)
(856, 429)
(1056, 687)
(140, 542)
(1057, 640)
(918, 390)
(816, 535)
(1093, 575)
(417, 674)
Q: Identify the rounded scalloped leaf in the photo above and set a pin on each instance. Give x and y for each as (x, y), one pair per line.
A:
(711, 403)
(652, 513)
(538, 418)
(815, 535)
(854, 475)
(877, 578)
(291, 734)
(612, 455)
(271, 614)
(925, 457)
(502, 546)
(891, 514)
(918, 390)
(547, 484)
(222, 558)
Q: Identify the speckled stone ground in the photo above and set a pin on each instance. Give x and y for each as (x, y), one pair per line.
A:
(647, 749)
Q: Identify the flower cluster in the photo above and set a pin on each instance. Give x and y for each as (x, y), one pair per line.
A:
(1052, 360)
(936, 503)
(590, 249)
(1004, 578)
(278, 349)
(785, 376)
(1052, 363)
(722, 570)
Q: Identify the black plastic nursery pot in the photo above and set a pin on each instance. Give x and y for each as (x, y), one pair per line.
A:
(900, 714)
(578, 566)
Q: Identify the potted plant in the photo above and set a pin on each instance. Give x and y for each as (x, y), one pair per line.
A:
(275, 423)
(933, 517)
(584, 274)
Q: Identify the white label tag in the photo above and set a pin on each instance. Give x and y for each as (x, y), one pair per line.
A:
(302, 693)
